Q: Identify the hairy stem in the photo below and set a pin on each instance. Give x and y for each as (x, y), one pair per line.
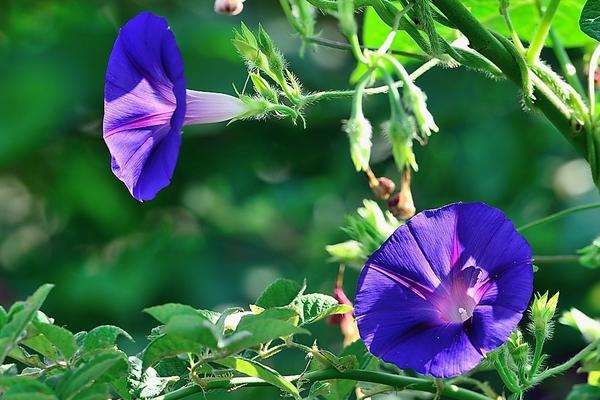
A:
(537, 355)
(559, 369)
(482, 40)
(399, 382)
(558, 215)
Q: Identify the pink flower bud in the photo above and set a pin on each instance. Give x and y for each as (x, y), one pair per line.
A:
(229, 7)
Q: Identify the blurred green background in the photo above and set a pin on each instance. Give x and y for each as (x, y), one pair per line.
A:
(252, 201)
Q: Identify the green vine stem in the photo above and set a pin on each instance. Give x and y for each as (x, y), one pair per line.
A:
(558, 215)
(484, 42)
(345, 46)
(539, 39)
(560, 259)
(559, 369)
(334, 94)
(445, 390)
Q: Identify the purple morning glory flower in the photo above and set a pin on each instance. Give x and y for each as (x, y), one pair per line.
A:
(146, 104)
(447, 287)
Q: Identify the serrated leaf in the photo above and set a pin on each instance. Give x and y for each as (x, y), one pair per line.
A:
(315, 306)
(19, 319)
(102, 338)
(167, 346)
(59, 337)
(279, 293)
(88, 373)
(258, 370)
(589, 22)
(165, 312)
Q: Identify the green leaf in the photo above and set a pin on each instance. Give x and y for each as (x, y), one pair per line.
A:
(165, 312)
(314, 307)
(19, 319)
(85, 375)
(584, 392)
(59, 337)
(167, 346)
(42, 345)
(258, 370)
(29, 390)
(280, 293)
(19, 354)
(94, 392)
(102, 338)
(525, 18)
(148, 384)
(194, 328)
(258, 329)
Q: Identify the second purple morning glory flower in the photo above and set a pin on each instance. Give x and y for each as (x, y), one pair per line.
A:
(146, 104)
(447, 287)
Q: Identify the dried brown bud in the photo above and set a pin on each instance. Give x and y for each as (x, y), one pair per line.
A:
(230, 7)
(384, 188)
(401, 204)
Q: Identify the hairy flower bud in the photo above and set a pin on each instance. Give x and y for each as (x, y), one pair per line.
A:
(416, 101)
(229, 7)
(348, 252)
(262, 87)
(247, 45)
(359, 133)
(542, 312)
(401, 133)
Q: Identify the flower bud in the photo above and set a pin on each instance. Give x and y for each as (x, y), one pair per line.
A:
(348, 252)
(384, 188)
(246, 44)
(416, 101)
(274, 57)
(401, 133)
(345, 321)
(229, 7)
(518, 348)
(401, 205)
(262, 87)
(590, 255)
(232, 320)
(542, 312)
(359, 133)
